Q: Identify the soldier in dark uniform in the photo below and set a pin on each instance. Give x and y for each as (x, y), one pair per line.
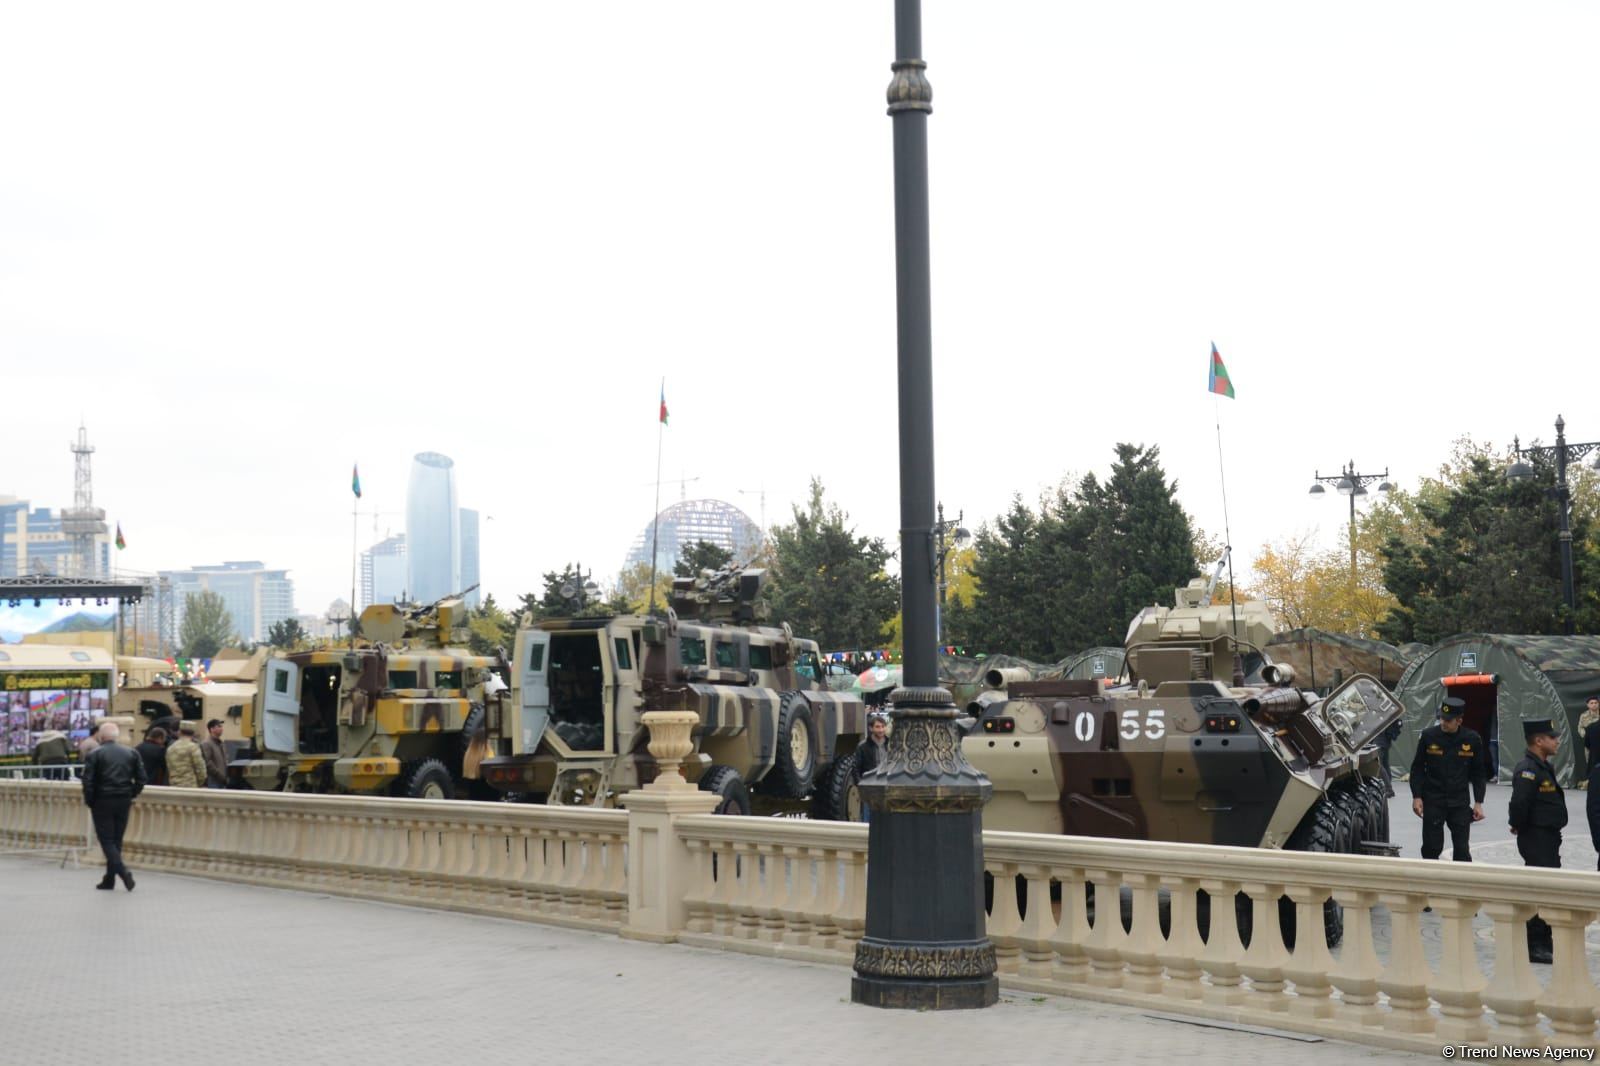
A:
(1538, 813)
(1449, 777)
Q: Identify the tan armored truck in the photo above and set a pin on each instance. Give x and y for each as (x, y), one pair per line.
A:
(150, 693)
(407, 711)
(769, 726)
(1197, 746)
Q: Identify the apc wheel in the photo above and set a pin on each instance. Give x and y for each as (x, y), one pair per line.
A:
(796, 755)
(1324, 829)
(733, 797)
(1352, 804)
(1377, 795)
(428, 779)
(837, 799)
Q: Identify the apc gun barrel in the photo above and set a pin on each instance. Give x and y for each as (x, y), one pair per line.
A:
(1275, 701)
(1001, 676)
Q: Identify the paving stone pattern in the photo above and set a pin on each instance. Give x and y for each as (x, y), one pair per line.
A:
(187, 971)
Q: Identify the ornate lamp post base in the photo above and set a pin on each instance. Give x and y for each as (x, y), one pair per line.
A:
(925, 947)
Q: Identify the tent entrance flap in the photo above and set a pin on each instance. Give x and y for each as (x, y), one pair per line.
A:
(1470, 679)
(1482, 699)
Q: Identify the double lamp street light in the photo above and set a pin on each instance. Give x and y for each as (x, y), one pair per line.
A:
(1563, 453)
(1348, 482)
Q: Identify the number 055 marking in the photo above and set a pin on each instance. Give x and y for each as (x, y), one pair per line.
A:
(1154, 725)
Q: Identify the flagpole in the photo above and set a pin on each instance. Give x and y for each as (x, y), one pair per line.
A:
(655, 515)
(1227, 548)
(355, 510)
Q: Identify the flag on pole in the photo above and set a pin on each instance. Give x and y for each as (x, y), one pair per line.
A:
(1220, 383)
(355, 480)
(663, 402)
(120, 542)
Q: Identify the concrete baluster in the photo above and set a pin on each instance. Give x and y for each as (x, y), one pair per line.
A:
(1569, 1000)
(697, 901)
(1223, 956)
(1072, 928)
(1142, 948)
(1038, 926)
(1106, 936)
(1356, 972)
(825, 931)
(1513, 992)
(1264, 959)
(1310, 965)
(1180, 953)
(801, 896)
(747, 891)
(851, 915)
(1405, 980)
(727, 877)
(774, 894)
(1004, 920)
(1459, 985)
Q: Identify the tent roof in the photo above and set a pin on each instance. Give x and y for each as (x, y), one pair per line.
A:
(1310, 647)
(1546, 652)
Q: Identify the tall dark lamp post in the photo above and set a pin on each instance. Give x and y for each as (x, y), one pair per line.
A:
(1563, 453)
(925, 947)
(1352, 484)
(951, 534)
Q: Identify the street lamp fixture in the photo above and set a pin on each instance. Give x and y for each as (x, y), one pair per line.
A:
(1348, 482)
(1564, 453)
(951, 534)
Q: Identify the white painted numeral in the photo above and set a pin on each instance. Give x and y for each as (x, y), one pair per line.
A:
(1130, 724)
(1155, 724)
(1083, 726)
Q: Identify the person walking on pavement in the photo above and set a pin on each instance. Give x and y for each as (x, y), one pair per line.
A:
(1537, 815)
(153, 750)
(113, 777)
(1451, 760)
(1589, 737)
(215, 755)
(186, 767)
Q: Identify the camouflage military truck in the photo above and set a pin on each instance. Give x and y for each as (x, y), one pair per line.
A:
(1207, 742)
(404, 712)
(149, 693)
(769, 726)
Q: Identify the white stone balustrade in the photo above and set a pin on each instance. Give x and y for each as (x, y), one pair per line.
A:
(664, 870)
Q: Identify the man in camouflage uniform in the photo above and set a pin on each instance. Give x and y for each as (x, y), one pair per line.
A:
(186, 767)
(1538, 813)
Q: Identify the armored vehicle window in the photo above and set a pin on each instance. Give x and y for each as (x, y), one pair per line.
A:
(280, 681)
(535, 658)
(447, 679)
(624, 662)
(692, 651)
(727, 655)
(760, 657)
(402, 679)
(808, 666)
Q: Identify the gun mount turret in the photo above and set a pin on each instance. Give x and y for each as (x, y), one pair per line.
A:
(730, 594)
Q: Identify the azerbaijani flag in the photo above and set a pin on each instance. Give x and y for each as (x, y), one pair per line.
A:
(120, 542)
(355, 480)
(1220, 383)
(663, 402)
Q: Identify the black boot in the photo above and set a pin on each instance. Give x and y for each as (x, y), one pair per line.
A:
(127, 879)
(109, 881)
(1541, 941)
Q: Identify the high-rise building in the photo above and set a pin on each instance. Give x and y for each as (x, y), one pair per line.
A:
(687, 523)
(383, 571)
(433, 529)
(34, 540)
(256, 598)
(469, 555)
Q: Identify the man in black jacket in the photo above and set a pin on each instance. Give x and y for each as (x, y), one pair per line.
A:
(1450, 760)
(1537, 814)
(113, 776)
(870, 752)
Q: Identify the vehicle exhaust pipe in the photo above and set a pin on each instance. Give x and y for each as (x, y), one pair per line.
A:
(1001, 676)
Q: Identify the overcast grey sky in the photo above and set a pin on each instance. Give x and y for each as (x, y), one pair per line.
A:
(250, 244)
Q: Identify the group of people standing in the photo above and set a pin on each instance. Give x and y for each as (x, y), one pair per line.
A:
(114, 775)
(1449, 777)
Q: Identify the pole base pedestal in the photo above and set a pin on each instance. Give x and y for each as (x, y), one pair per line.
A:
(898, 994)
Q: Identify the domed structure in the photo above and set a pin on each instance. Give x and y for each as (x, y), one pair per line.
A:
(692, 521)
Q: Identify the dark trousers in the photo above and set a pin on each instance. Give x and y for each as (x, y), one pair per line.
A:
(1435, 816)
(1592, 805)
(1539, 846)
(110, 822)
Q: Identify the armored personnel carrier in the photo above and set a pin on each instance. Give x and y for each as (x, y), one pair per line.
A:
(1204, 741)
(770, 729)
(407, 711)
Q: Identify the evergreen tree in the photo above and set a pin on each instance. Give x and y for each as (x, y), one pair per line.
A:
(828, 583)
(287, 633)
(489, 627)
(207, 627)
(701, 555)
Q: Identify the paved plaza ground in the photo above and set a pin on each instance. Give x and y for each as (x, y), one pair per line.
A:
(187, 971)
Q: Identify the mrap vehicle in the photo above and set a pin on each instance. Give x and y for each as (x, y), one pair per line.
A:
(770, 731)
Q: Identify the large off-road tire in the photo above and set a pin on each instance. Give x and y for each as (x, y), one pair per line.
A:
(837, 799)
(426, 779)
(1377, 794)
(1325, 829)
(1352, 803)
(733, 796)
(795, 757)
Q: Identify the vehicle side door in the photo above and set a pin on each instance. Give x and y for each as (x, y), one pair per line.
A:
(280, 707)
(533, 664)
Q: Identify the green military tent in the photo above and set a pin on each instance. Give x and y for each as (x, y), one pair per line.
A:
(1322, 659)
(1505, 680)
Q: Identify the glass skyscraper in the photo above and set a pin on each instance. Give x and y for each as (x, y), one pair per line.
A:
(433, 529)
